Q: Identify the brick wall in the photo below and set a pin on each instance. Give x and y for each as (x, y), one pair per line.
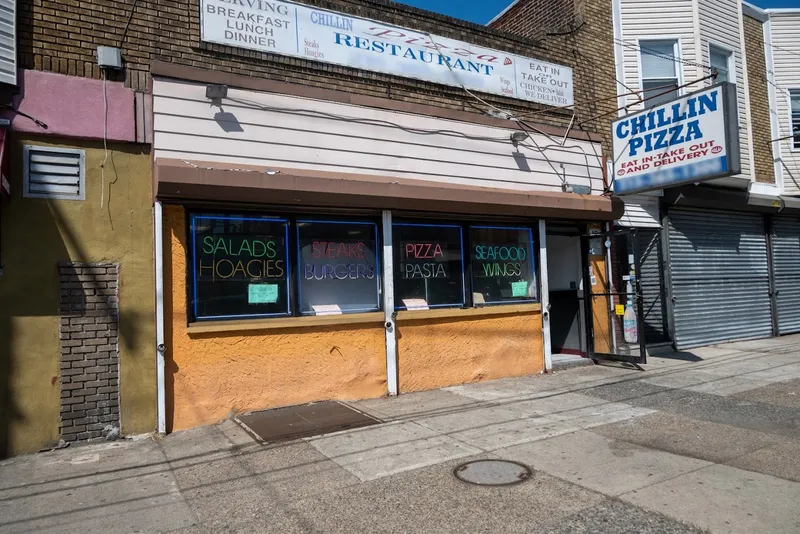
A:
(579, 33)
(537, 18)
(62, 36)
(89, 351)
(759, 100)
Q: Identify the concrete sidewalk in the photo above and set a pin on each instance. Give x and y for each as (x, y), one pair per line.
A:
(705, 440)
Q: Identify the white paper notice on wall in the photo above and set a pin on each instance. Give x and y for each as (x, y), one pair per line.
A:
(327, 309)
(477, 298)
(415, 304)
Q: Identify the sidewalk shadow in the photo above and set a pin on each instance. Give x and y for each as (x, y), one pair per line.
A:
(683, 356)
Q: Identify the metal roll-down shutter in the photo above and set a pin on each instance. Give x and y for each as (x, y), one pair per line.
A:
(786, 265)
(648, 243)
(719, 277)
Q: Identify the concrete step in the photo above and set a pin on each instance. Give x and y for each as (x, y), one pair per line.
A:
(568, 361)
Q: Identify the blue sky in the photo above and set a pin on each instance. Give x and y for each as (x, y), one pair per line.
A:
(482, 11)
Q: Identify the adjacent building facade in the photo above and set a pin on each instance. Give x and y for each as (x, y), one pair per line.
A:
(77, 320)
(362, 224)
(783, 71)
(716, 258)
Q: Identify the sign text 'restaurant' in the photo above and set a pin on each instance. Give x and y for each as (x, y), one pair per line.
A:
(302, 31)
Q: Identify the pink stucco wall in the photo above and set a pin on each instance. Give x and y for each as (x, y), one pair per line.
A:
(72, 107)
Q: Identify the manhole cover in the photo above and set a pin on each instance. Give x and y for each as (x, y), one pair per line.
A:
(493, 472)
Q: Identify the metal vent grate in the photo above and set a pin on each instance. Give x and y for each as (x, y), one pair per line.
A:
(51, 172)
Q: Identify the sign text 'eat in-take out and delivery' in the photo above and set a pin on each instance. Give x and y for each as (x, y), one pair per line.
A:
(690, 139)
(303, 31)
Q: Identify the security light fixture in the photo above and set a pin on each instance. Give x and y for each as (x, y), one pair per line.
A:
(216, 92)
(581, 189)
(518, 137)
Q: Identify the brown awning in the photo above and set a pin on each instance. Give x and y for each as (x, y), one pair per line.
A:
(180, 180)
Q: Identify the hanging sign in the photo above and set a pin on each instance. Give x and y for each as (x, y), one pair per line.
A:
(690, 139)
(303, 31)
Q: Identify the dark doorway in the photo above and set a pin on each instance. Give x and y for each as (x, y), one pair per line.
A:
(565, 273)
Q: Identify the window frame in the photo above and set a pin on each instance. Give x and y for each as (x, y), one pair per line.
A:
(292, 252)
(418, 223)
(298, 312)
(532, 243)
(192, 294)
(731, 68)
(794, 141)
(677, 65)
(466, 251)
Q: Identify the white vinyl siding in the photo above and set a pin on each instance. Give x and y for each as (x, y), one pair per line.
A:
(646, 20)
(271, 130)
(8, 42)
(641, 211)
(55, 173)
(785, 40)
(721, 26)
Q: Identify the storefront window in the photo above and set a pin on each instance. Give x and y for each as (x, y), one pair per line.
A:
(428, 266)
(250, 266)
(239, 267)
(503, 268)
(338, 268)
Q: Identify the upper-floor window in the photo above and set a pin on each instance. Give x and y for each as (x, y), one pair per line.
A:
(794, 95)
(721, 62)
(659, 71)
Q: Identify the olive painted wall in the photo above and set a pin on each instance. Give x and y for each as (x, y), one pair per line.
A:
(36, 234)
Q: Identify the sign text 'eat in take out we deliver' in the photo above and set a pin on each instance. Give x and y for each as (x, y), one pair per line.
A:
(302, 31)
(690, 139)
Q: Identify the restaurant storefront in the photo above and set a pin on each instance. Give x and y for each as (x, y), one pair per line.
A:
(363, 224)
(288, 285)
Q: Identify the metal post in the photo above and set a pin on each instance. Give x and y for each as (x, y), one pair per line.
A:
(160, 346)
(611, 289)
(388, 305)
(637, 290)
(588, 301)
(666, 273)
(773, 290)
(544, 298)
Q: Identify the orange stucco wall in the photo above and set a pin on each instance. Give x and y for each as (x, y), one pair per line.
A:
(213, 374)
(443, 352)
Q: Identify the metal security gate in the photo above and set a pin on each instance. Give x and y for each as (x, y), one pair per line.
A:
(719, 277)
(599, 293)
(648, 241)
(786, 264)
